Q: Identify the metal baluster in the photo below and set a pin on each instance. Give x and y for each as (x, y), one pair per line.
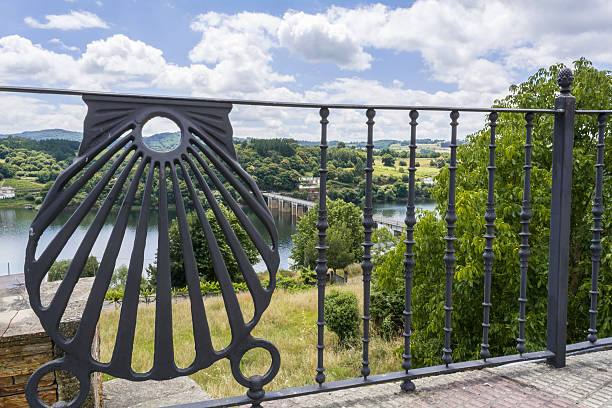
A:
(368, 227)
(488, 255)
(449, 256)
(524, 252)
(596, 241)
(321, 268)
(410, 221)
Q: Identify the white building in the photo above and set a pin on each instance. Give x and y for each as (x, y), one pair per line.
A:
(7, 192)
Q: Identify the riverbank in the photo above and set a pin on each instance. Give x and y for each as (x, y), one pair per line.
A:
(17, 204)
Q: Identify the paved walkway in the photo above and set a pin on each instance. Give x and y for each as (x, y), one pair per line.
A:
(586, 381)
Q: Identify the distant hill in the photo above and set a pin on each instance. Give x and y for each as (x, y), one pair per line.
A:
(48, 134)
(167, 141)
(163, 141)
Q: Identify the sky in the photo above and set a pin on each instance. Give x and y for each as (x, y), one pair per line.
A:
(424, 52)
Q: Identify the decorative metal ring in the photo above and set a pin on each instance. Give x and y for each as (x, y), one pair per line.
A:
(256, 381)
(55, 365)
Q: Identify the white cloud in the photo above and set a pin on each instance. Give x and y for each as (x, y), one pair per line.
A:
(63, 46)
(480, 48)
(29, 113)
(76, 20)
(238, 48)
(21, 60)
(317, 39)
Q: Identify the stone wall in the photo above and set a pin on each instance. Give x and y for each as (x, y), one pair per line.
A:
(24, 346)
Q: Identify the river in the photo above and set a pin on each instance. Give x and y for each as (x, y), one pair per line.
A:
(15, 224)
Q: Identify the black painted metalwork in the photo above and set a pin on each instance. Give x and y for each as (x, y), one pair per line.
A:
(560, 211)
(409, 262)
(368, 228)
(488, 255)
(321, 267)
(449, 255)
(391, 377)
(171, 99)
(113, 134)
(205, 163)
(597, 211)
(524, 251)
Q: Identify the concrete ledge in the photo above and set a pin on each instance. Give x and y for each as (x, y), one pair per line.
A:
(120, 393)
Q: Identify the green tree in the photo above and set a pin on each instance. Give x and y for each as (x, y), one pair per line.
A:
(388, 160)
(59, 268)
(200, 248)
(344, 236)
(593, 90)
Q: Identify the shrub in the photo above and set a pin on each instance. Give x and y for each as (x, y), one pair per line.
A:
(213, 288)
(342, 314)
(209, 288)
(59, 268)
(289, 284)
(386, 309)
(114, 296)
(308, 276)
(147, 294)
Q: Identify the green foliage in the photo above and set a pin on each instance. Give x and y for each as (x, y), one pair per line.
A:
(59, 149)
(6, 171)
(147, 294)
(266, 147)
(439, 163)
(119, 277)
(384, 240)
(342, 314)
(209, 288)
(200, 248)
(59, 268)
(593, 90)
(114, 295)
(388, 160)
(344, 236)
(213, 288)
(308, 276)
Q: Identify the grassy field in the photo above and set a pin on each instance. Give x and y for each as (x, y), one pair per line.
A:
(289, 323)
(421, 146)
(21, 184)
(423, 171)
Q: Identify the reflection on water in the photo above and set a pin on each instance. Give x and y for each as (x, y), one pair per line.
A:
(15, 224)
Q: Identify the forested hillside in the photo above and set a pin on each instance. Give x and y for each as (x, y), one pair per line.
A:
(275, 164)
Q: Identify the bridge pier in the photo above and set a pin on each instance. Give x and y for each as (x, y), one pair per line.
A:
(294, 207)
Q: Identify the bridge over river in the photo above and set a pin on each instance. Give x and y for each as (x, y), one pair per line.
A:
(298, 207)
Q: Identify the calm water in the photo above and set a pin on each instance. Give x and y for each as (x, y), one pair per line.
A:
(15, 223)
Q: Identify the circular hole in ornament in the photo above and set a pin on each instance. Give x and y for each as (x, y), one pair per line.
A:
(256, 361)
(161, 134)
(39, 391)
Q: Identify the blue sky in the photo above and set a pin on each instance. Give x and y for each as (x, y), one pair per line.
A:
(418, 53)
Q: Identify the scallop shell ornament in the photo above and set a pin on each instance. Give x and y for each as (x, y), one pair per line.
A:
(116, 173)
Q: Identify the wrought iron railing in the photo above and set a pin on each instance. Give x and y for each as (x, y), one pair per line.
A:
(114, 123)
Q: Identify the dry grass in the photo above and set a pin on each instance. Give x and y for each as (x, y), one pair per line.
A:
(289, 323)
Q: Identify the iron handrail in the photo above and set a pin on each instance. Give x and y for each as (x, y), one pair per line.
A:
(279, 104)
